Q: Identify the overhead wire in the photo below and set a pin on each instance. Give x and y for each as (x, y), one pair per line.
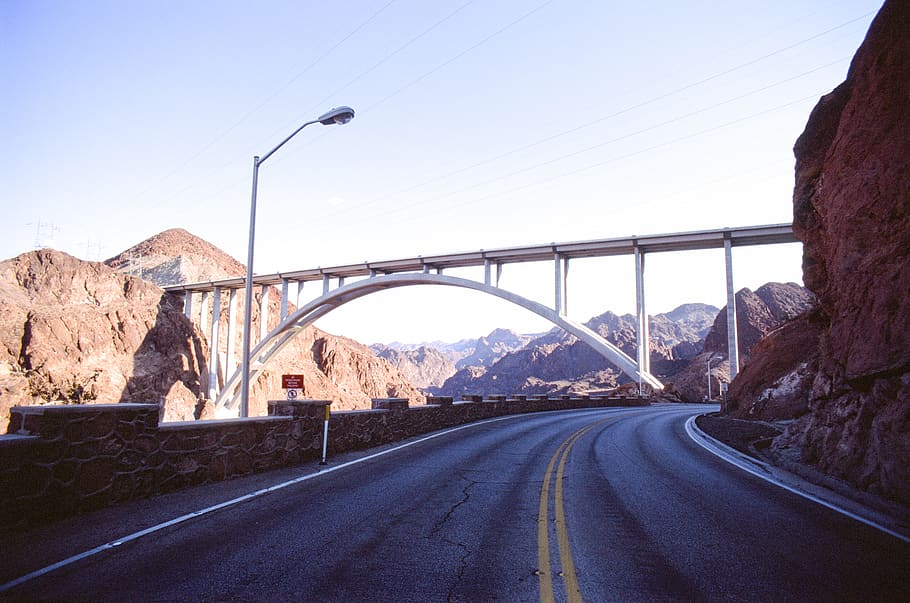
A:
(588, 124)
(515, 150)
(218, 138)
(500, 177)
(635, 153)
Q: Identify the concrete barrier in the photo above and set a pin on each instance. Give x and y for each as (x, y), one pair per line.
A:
(62, 460)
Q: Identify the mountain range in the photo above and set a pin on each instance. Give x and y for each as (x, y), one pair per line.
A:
(109, 331)
(555, 362)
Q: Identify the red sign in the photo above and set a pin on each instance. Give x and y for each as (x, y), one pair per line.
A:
(292, 382)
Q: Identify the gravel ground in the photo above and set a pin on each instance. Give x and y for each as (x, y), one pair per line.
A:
(749, 437)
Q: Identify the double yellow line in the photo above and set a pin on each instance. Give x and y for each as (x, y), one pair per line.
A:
(573, 592)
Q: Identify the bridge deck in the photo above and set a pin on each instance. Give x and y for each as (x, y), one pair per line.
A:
(684, 241)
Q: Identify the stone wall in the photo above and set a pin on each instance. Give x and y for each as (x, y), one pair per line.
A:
(57, 461)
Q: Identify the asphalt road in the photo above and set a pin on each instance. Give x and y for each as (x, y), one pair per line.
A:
(635, 511)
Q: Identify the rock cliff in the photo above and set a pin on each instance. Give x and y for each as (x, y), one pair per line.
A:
(851, 208)
(758, 313)
(82, 332)
(78, 332)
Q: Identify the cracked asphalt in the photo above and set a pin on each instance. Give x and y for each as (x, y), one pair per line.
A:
(649, 514)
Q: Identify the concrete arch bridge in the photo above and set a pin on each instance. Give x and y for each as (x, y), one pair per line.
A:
(428, 270)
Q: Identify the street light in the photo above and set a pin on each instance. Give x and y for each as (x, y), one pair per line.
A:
(338, 115)
(713, 357)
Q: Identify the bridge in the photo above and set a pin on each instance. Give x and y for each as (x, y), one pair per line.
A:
(428, 270)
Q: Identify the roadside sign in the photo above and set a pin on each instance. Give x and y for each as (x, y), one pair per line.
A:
(292, 385)
(292, 381)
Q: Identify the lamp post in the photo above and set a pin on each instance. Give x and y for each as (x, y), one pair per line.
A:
(709, 374)
(339, 115)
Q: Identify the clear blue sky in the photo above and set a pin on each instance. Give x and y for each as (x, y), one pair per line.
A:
(479, 125)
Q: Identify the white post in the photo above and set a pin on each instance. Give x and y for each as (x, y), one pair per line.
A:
(325, 433)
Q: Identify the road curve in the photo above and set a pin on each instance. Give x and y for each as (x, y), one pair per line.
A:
(594, 505)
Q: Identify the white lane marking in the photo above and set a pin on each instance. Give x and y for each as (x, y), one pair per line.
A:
(764, 471)
(249, 496)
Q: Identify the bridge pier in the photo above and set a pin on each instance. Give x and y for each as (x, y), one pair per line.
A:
(230, 363)
(732, 336)
(642, 335)
(561, 274)
(214, 340)
(263, 312)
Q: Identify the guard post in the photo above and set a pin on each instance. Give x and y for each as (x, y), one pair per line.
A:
(325, 431)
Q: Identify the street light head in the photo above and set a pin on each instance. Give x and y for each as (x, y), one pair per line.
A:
(338, 115)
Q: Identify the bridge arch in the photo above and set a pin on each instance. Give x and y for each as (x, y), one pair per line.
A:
(227, 403)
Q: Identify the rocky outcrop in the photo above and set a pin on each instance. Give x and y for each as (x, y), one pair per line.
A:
(775, 383)
(758, 313)
(487, 350)
(77, 331)
(558, 363)
(423, 367)
(176, 256)
(83, 332)
(851, 210)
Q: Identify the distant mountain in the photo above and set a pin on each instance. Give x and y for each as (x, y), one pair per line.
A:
(422, 363)
(557, 362)
(487, 350)
(174, 257)
(423, 367)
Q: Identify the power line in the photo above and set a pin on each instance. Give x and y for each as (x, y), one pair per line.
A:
(599, 145)
(258, 107)
(591, 123)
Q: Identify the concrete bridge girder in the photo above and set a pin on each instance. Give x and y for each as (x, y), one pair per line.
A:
(228, 402)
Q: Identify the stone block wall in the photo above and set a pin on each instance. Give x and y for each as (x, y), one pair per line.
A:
(62, 460)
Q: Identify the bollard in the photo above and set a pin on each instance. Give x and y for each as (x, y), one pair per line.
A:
(325, 432)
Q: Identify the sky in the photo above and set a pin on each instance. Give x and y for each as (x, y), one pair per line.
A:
(479, 125)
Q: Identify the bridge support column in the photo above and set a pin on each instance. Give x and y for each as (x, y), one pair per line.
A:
(214, 341)
(263, 312)
(188, 305)
(204, 312)
(562, 271)
(487, 273)
(642, 334)
(229, 363)
(285, 285)
(299, 293)
(732, 337)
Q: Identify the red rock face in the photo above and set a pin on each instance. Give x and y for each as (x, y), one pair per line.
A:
(852, 212)
(66, 323)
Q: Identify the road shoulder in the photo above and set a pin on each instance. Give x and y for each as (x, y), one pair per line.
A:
(744, 444)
